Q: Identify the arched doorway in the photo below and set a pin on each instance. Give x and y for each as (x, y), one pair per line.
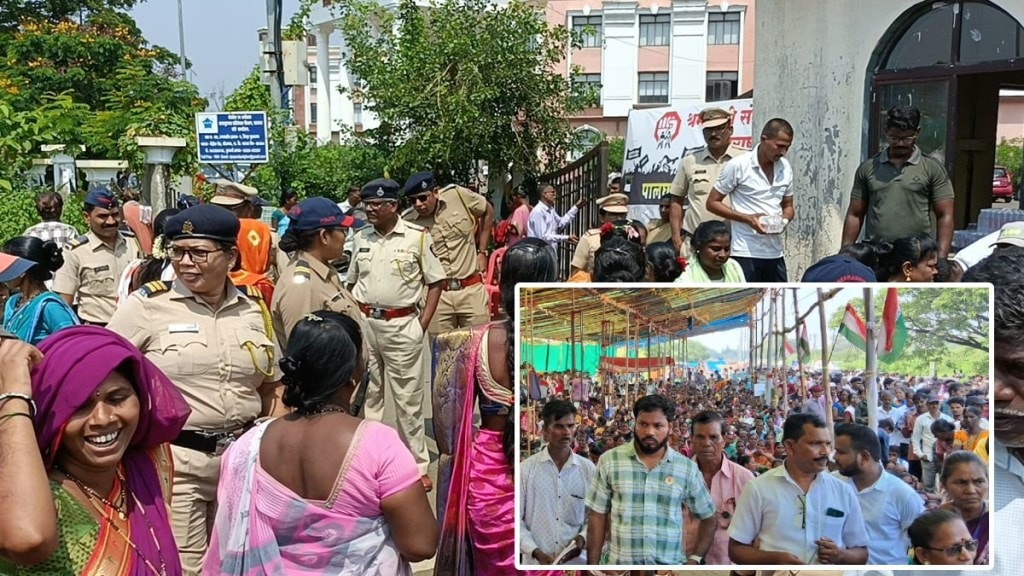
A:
(950, 59)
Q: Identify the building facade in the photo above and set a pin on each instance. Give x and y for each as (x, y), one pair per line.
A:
(652, 53)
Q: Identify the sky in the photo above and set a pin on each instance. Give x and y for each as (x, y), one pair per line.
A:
(220, 36)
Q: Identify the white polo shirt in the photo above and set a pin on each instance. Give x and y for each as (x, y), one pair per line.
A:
(889, 507)
(743, 181)
(775, 509)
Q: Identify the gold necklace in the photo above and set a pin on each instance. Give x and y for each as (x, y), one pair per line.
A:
(122, 510)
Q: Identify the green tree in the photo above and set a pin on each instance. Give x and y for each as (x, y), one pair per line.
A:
(616, 154)
(1010, 154)
(463, 81)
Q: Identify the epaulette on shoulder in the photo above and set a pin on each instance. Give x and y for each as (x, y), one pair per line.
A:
(80, 241)
(154, 287)
(418, 228)
(252, 292)
(302, 272)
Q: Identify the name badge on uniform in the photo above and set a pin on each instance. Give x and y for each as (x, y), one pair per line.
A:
(183, 329)
(104, 268)
(701, 171)
(361, 250)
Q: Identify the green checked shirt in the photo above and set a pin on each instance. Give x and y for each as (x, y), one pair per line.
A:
(646, 507)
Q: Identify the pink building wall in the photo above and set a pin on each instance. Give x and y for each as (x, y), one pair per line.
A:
(1011, 117)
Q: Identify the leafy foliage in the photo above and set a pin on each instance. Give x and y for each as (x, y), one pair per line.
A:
(463, 81)
(1010, 154)
(18, 211)
(22, 131)
(616, 154)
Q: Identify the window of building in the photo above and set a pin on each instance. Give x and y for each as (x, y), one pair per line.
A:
(589, 29)
(357, 113)
(593, 83)
(722, 86)
(312, 75)
(586, 139)
(653, 88)
(723, 28)
(312, 113)
(655, 29)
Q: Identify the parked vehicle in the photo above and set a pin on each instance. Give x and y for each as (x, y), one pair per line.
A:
(1002, 184)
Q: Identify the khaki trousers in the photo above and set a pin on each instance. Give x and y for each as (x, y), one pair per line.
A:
(460, 309)
(399, 366)
(193, 505)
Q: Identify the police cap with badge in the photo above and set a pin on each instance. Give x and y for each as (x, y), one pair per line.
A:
(100, 198)
(205, 221)
(419, 183)
(380, 190)
(614, 204)
(317, 213)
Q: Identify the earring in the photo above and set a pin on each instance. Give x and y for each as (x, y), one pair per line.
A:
(908, 278)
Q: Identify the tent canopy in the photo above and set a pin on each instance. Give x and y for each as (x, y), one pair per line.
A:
(658, 313)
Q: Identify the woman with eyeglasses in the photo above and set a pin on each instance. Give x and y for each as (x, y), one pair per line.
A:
(941, 537)
(216, 343)
(964, 477)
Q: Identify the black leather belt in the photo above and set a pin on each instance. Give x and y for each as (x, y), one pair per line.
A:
(214, 443)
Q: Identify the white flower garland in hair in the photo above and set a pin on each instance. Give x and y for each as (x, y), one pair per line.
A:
(158, 248)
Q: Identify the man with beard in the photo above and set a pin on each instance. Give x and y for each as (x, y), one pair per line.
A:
(895, 193)
(639, 493)
(723, 478)
(888, 504)
(93, 263)
(553, 484)
(799, 512)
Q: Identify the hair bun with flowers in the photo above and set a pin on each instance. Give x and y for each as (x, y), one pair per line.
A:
(682, 262)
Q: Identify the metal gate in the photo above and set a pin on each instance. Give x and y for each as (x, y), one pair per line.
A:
(587, 177)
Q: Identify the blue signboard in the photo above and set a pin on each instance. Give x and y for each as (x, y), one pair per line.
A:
(232, 137)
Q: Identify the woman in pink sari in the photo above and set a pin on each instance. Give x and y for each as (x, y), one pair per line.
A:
(476, 364)
(86, 469)
(319, 491)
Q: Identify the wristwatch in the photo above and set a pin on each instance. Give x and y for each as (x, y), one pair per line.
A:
(696, 558)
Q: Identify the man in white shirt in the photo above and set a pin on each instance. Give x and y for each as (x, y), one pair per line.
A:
(760, 185)
(546, 224)
(923, 441)
(800, 513)
(553, 486)
(889, 505)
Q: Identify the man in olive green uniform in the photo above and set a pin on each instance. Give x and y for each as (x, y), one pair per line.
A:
(309, 282)
(459, 222)
(896, 193)
(214, 341)
(93, 263)
(610, 208)
(392, 262)
(660, 229)
(698, 171)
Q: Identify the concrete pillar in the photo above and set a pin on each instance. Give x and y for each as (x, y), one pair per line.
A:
(323, 83)
(619, 74)
(688, 77)
(99, 173)
(156, 189)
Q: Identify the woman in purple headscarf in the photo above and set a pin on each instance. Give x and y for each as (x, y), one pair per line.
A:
(85, 470)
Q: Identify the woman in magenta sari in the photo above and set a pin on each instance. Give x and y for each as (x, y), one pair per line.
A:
(319, 491)
(86, 464)
(475, 472)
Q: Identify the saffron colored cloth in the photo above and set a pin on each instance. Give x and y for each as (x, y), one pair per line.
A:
(76, 361)
(262, 527)
(254, 243)
(479, 515)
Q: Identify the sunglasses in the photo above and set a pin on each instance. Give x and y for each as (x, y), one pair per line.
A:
(956, 549)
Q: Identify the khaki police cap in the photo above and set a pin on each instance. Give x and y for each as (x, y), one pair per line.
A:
(714, 117)
(232, 193)
(1011, 234)
(614, 203)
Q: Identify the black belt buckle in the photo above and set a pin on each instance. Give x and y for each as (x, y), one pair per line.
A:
(454, 284)
(378, 313)
(219, 441)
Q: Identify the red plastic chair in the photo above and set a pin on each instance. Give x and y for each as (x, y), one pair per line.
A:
(493, 278)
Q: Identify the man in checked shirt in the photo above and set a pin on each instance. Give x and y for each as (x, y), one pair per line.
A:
(640, 491)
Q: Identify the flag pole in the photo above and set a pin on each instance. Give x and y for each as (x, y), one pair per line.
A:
(826, 382)
(799, 355)
(871, 350)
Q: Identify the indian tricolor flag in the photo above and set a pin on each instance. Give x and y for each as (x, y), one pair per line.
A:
(894, 328)
(853, 328)
(789, 350)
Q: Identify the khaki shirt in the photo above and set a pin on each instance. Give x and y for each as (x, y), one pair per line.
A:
(308, 285)
(278, 258)
(698, 171)
(390, 271)
(658, 230)
(205, 352)
(583, 256)
(92, 270)
(453, 228)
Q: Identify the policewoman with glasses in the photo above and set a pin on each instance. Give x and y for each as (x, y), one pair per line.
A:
(215, 342)
(393, 261)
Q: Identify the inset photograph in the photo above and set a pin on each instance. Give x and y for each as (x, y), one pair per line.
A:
(747, 425)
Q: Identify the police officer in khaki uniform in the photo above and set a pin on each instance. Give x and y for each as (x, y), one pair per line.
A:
(309, 283)
(93, 263)
(241, 200)
(698, 171)
(610, 208)
(660, 229)
(460, 223)
(392, 261)
(215, 342)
